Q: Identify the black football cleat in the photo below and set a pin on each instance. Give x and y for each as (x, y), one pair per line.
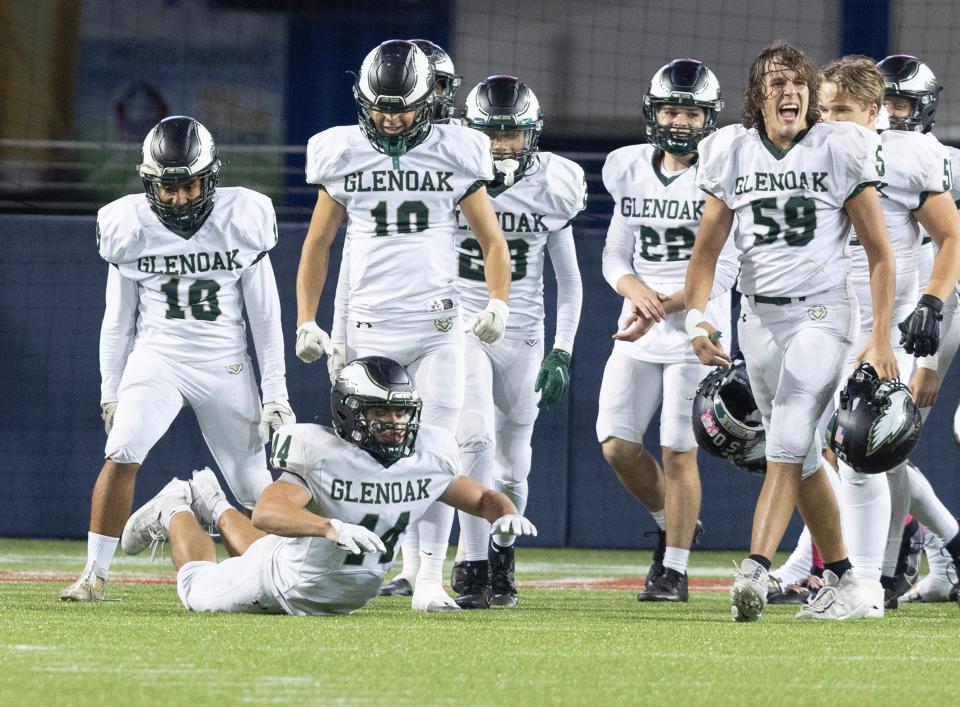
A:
(656, 569)
(502, 583)
(776, 594)
(890, 596)
(473, 590)
(908, 558)
(399, 587)
(669, 586)
(458, 575)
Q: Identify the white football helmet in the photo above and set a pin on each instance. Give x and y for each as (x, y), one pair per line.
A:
(908, 77)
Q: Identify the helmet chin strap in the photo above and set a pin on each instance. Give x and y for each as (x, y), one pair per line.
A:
(509, 167)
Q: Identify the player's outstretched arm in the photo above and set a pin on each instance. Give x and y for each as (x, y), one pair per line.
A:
(467, 495)
(313, 342)
(866, 216)
(280, 511)
(711, 236)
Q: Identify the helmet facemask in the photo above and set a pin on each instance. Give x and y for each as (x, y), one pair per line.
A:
(401, 143)
(176, 152)
(366, 428)
(511, 164)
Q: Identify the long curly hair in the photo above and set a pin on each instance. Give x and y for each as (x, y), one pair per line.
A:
(782, 55)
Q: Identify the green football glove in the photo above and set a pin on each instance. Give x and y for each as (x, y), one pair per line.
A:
(554, 377)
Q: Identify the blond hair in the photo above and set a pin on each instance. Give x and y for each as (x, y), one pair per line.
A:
(857, 77)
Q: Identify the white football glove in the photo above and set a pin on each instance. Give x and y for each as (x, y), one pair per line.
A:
(513, 524)
(336, 360)
(356, 539)
(490, 324)
(312, 342)
(275, 415)
(107, 411)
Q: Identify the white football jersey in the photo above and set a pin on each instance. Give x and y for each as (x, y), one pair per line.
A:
(190, 301)
(400, 219)
(348, 484)
(663, 213)
(927, 249)
(545, 200)
(791, 227)
(912, 166)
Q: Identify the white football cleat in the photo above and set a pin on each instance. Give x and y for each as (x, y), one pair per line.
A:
(431, 596)
(150, 525)
(748, 595)
(839, 599)
(88, 588)
(933, 588)
(207, 493)
(873, 594)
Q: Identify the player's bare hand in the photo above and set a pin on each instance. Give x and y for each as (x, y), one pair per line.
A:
(708, 348)
(649, 303)
(880, 356)
(924, 387)
(312, 342)
(634, 327)
(355, 539)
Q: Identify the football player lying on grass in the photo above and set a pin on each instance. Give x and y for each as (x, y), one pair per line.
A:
(321, 539)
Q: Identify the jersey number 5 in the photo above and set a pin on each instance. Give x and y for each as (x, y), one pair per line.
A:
(799, 213)
(201, 298)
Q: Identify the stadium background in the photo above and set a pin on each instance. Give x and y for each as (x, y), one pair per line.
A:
(83, 80)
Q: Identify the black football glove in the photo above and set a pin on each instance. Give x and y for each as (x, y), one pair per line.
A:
(920, 331)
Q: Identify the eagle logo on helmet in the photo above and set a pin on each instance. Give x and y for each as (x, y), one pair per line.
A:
(876, 425)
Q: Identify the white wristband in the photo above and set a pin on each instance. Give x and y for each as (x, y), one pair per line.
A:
(498, 307)
(692, 324)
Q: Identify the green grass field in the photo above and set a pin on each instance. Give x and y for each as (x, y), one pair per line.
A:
(563, 645)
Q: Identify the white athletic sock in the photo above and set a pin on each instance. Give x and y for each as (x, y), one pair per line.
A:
(431, 569)
(866, 518)
(100, 549)
(798, 564)
(660, 518)
(929, 509)
(676, 558)
(410, 554)
(475, 531)
(516, 491)
(474, 538)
